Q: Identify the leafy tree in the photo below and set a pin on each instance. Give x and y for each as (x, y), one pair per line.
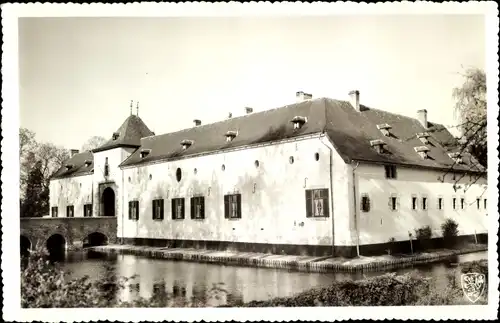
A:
(35, 203)
(471, 108)
(93, 142)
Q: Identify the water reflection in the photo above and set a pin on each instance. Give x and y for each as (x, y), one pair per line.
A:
(181, 284)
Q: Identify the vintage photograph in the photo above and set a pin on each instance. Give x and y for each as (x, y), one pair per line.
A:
(255, 161)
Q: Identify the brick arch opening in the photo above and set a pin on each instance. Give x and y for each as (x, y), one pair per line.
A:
(56, 246)
(95, 239)
(108, 201)
(25, 245)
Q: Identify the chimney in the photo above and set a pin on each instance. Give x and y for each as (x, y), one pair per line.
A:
(73, 152)
(422, 117)
(197, 122)
(302, 96)
(248, 110)
(354, 98)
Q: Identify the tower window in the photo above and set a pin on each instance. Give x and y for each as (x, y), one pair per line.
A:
(390, 171)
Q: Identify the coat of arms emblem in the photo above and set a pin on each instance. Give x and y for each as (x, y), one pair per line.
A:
(473, 285)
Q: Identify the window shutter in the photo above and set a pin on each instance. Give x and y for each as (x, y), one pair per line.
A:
(192, 207)
(161, 209)
(129, 211)
(154, 209)
(172, 204)
(326, 205)
(238, 201)
(182, 209)
(226, 206)
(308, 203)
(202, 202)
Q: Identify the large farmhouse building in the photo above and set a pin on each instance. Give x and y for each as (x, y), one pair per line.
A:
(319, 176)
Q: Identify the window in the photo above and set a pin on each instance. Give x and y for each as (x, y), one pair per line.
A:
(424, 203)
(365, 203)
(133, 210)
(158, 209)
(106, 167)
(393, 203)
(440, 203)
(485, 204)
(462, 203)
(87, 210)
(178, 174)
(390, 171)
(54, 211)
(413, 203)
(454, 203)
(478, 203)
(317, 203)
(178, 208)
(232, 206)
(198, 207)
(70, 211)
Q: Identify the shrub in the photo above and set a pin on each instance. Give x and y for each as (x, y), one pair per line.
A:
(423, 235)
(450, 232)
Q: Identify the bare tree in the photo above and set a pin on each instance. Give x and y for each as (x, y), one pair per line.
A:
(93, 142)
(471, 108)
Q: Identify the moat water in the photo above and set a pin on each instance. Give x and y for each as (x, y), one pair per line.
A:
(213, 285)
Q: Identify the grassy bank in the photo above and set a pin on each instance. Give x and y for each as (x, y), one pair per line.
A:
(46, 285)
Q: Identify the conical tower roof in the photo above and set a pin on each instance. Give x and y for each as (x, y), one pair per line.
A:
(128, 135)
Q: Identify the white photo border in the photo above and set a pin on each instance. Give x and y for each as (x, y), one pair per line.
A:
(10, 162)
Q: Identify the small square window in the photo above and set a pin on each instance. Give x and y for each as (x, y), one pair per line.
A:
(390, 171)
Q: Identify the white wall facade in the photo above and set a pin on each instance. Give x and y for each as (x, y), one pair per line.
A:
(76, 191)
(381, 223)
(273, 213)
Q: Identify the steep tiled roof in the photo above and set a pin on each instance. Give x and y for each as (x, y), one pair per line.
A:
(350, 131)
(77, 166)
(128, 135)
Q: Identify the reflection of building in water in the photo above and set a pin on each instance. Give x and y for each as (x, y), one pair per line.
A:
(126, 267)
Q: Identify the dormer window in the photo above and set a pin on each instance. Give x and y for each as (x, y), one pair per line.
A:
(186, 144)
(423, 136)
(230, 135)
(88, 163)
(378, 145)
(385, 129)
(422, 151)
(116, 135)
(457, 158)
(298, 122)
(145, 152)
(69, 166)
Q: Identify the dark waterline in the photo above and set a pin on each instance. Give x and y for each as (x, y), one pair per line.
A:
(214, 285)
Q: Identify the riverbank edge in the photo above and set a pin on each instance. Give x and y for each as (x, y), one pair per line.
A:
(298, 263)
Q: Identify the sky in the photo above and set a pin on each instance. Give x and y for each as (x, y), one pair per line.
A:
(78, 75)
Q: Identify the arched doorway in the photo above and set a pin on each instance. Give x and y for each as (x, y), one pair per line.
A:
(95, 239)
(25, 246)
(108, 201)
(56, 245)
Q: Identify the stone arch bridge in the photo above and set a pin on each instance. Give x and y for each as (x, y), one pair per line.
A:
(74, 232)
